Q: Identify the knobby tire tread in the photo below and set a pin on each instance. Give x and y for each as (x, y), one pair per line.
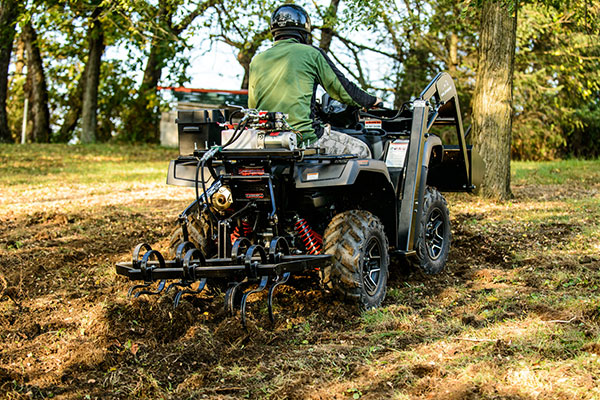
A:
(198, 234)
(344, 238)
(431, 197)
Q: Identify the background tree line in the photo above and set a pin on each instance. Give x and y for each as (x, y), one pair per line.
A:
(64, 58)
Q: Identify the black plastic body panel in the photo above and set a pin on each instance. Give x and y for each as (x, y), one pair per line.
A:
(182, 172)
(325, 175)
(449, 175)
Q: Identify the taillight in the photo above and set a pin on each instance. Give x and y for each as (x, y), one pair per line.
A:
(251, 171)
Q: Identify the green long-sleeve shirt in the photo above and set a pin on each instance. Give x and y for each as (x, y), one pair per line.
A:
(285, 77)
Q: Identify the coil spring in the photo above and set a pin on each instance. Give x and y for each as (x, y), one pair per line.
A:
(237, 233)
(313, 242)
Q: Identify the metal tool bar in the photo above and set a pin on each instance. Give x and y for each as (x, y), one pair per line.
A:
(293, 264)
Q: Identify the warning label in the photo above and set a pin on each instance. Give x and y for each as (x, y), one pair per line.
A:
(373, 124)
(397, 153)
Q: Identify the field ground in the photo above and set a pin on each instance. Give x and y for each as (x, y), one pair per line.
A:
(515, 316)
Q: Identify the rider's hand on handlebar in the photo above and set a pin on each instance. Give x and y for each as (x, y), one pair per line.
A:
(378, 103)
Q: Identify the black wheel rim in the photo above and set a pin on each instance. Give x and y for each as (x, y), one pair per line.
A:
(435, 234)
(372, 266)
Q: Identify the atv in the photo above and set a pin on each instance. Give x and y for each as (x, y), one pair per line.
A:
(266, 210)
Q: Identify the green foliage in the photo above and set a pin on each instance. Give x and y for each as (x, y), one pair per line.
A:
(556, 77)
(115, 98)
(557, 82)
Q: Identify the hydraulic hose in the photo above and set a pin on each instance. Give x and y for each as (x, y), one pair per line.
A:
(237, 133)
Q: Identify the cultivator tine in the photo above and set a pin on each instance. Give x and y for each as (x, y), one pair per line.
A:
(279, 281)
(180, 284)
(159, 289)
(261, 286)
(198, 290)
(136, 287)
(146, 270)
(188, 262)
(240, 246)
(232, 297)
(135, 261)
(182, 250)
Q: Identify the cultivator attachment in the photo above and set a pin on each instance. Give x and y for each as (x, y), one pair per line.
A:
(250, 269)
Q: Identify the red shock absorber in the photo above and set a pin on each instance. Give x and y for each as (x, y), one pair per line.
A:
(235, 235)
(246, 228)
(313, 242)
(245, 231)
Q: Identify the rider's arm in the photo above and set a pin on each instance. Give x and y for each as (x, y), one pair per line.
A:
(338, 86)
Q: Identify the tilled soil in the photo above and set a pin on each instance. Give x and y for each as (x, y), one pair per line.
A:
(68, 331)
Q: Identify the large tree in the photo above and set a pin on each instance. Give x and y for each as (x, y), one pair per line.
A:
(492, 101)
(243, 25)
(9, 12)
(89, 101)
(38, 119)
(165, 42)
(330, 20)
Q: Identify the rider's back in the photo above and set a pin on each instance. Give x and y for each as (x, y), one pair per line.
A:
(285, 77)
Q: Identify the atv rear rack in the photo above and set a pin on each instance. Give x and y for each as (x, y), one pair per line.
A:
(250, 264)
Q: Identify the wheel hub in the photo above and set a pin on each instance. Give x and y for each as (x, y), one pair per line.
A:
(434, 234)
(372, 266)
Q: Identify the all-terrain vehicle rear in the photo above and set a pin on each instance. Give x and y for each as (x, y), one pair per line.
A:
(266, 210)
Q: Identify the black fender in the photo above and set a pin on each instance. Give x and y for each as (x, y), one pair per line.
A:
(367, 182)
(433, 150)
(310, 175)
(379, 198)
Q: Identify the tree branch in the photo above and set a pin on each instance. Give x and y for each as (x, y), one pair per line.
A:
(222, 10)
(348, 70)
(188, 19)
(363, 47)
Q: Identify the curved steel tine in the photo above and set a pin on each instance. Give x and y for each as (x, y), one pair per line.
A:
(159, 289)
(177, 298)
(230, 297)
(179, 294)
(181, 284)
(280, 281)
(136, 287)
(261, 286)
(200, 287)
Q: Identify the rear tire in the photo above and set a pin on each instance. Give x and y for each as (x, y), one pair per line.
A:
(432, 245)
(198, 234)
(359, 270)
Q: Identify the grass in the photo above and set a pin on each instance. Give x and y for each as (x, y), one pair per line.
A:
(38, 165)
(516, 314)
(561, 172)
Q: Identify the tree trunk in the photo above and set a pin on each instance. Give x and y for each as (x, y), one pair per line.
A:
(20, 57)
(38, 127)
(141, 123)
(492, 101)
(90, 92)
(245, 56)
(69, 124)
(9, 11)
(246, 78)
(328, 25)
(453, 54)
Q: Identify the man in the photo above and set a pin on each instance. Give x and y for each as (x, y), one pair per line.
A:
(285, 77)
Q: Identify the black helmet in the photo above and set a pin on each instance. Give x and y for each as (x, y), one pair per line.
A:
(290, 20)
